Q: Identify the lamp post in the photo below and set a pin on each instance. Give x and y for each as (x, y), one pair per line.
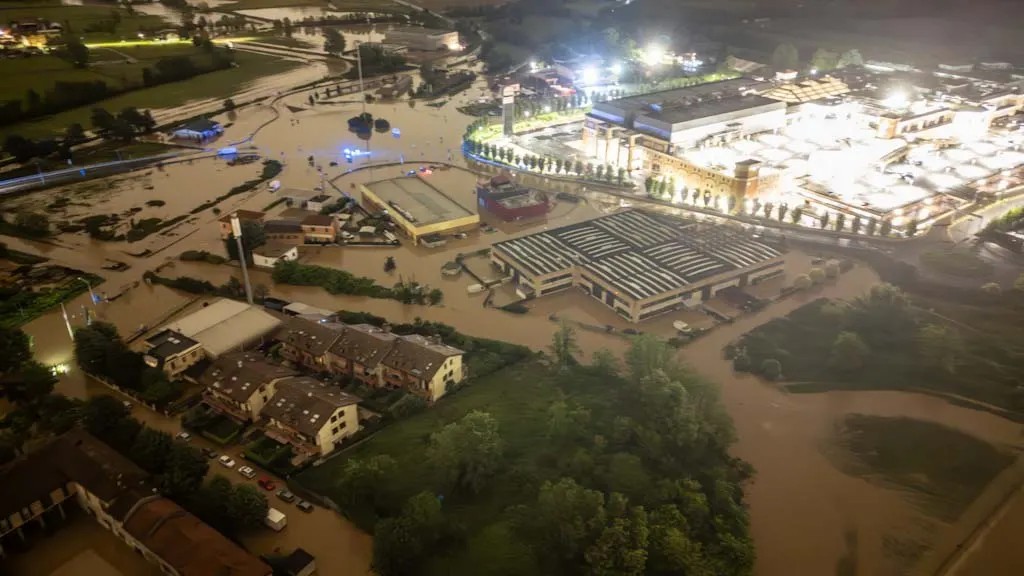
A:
(92, 295)
(236, 229)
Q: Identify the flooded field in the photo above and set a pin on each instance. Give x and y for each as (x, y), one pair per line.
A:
(805, 511)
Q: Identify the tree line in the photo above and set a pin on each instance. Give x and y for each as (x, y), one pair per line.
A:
(341, 282)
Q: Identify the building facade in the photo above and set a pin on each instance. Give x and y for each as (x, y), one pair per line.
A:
(311, 416)
(240, 385)
(172, 352)
(319, 229)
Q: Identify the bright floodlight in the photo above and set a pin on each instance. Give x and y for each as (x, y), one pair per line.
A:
(616, 69)
(897, 99)
(533, 66)
(589, 75)
(653, 55)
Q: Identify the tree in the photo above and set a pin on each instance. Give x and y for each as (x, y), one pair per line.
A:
(397, 551)
(150, 450)
(74, 134)
(229, 104)
(77, 53)
(334, 42)
(855, 224)
(771, 369)
(849, 352)
(247, 507)
(870, 228)
(435, 296)
(885, 228)
(31, 383)
(14, 349)
(1018, 284)
(940, 347)
(840, 221)
(621, 547)
(184, 471)
(802, 282)
(785, 57)
(911, 227)
(253, 236)
(850, 58)
(467, 451)
(566, 518)
(605, 362)
(363, 485)
(564, 346)
(817, 275)
(796, 214)
(823, 220)
(824, 60)
(33, 223)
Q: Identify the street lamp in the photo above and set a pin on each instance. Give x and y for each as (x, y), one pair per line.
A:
(92, 295)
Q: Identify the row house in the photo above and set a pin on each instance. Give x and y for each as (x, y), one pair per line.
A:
(239, 385)
(77, 467)
(312, 416)
(374, 356)
(306, 343)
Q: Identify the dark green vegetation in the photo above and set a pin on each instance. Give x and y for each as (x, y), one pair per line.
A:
(554, 470)
(941, 467)
(889, 340)
(341, 282)
(21, 304)
(271, 168)
(956, 263)
(100, 352)
(233, 288)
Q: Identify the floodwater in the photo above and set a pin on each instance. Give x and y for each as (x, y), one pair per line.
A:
(294, 13)
(802, 507)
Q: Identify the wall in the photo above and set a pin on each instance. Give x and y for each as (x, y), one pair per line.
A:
(347, 423)
(439, 384)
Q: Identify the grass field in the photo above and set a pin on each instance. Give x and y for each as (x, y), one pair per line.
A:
(81, 18)
(118, 67)
(219, 84)
(940, 467)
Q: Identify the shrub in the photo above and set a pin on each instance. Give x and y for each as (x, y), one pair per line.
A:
(832, 269)
(771, 369)
(802, 282)
(201, 256)
(741, 362)
(406, 406)
(817, 275)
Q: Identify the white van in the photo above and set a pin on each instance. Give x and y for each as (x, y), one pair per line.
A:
(275, 519)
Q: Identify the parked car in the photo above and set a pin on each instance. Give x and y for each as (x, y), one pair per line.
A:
(127, 405)
(226, 461)
(304, 506)
(286, 495)
(209, 453)
(266, 483)
(184, 436)
(247, 471)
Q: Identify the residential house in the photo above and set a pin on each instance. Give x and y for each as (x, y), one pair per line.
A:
(299, 563)
(318, 202)
(311, 416)
(172, 352)
(319, 229)
(198, 130)
(306, 343)
(75, 467)
(273, 252)
(182, 545)
(78, 467)
(358, 352)
(283, 231)
(424, 366)
(240, 385)
(243, 216)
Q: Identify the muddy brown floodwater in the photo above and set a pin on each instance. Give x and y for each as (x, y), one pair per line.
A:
(803, 508)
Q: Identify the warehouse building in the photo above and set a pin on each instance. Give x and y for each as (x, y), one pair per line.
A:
(415, 38)
(224, 325)
(418, 208)
(637, 263)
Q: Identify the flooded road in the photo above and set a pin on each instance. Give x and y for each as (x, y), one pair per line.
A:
(803, 508)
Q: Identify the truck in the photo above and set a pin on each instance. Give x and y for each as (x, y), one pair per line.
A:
(275, 519)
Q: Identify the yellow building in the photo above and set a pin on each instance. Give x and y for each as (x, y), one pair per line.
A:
(418, 208)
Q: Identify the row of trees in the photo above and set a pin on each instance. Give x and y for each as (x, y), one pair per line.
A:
(341, 282)
(787, 57)
(547, 164)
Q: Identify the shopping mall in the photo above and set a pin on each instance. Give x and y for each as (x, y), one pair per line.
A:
(899, 153)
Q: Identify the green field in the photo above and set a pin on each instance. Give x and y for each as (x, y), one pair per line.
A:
(120, 67)
(219, 84)
(81, 17)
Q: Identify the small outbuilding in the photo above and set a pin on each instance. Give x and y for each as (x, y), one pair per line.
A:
(198, 130)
